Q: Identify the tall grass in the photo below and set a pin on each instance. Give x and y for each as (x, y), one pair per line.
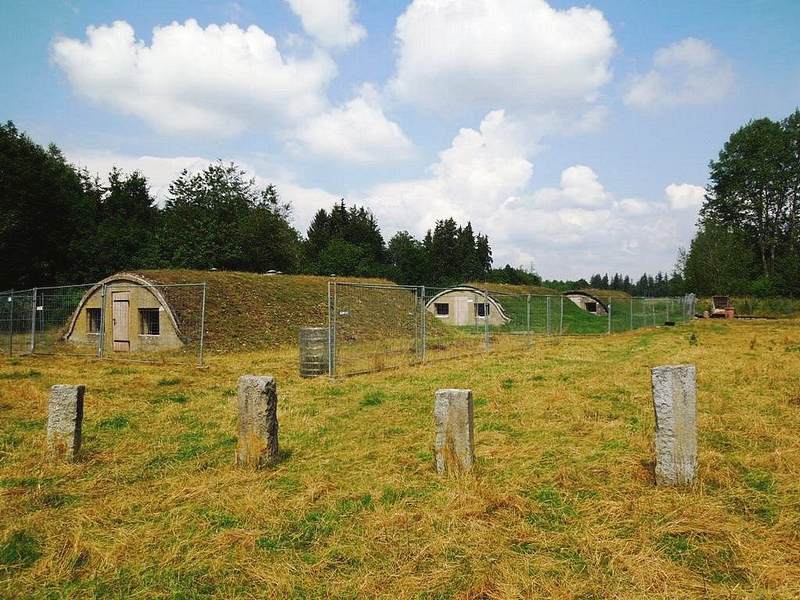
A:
(561, 504)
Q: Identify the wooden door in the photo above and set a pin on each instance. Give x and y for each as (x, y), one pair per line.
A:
(462, 310)
(120, 313)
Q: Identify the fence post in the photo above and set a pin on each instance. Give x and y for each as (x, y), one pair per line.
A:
(631, 314)
(547, 320)
(528, 318)
(561, 317)
(101, 339)
(485, 319)
(202, 326)
(653, 304)
(424, 316)
(669, 302)
(330, 341)
(33, 321)
(609, 315)
(333, 333)
(11, 325)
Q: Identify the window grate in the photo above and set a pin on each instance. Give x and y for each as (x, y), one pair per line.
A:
(149, 321)
(93, 320)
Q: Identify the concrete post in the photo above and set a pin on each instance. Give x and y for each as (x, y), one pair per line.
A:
(454, 446)
(64, 419)
(258, 421)
(675, 403)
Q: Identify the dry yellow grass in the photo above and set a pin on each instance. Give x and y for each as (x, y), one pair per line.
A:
(561, 504)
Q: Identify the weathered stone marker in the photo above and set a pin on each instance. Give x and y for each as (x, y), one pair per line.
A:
(454, 446)
(675, 403)
(258, 421)
(64, 419)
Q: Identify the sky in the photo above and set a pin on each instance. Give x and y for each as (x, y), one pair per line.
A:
(577, 136)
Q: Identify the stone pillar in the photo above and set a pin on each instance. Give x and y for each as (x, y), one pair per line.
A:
(64, 418)
(454, 446)
(258, 421)
(675, 403)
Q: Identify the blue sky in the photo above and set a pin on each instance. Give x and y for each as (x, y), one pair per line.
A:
(577, 137)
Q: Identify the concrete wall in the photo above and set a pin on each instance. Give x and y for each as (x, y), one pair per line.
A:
(462, 308)
(139, 296)
(581, 301)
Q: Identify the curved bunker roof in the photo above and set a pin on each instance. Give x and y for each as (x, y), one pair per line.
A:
(126, 281)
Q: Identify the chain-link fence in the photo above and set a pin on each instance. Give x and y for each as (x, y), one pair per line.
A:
(151, 322)
(373, 327)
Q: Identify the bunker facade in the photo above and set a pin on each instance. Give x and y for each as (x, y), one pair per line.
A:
(465, 305)
(135, 317)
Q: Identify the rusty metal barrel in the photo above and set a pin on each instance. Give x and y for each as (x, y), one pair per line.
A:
(313, 351)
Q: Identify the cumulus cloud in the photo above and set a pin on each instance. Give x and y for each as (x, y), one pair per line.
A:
(688, 72)
(358, 131)
(218, 79)
(683, 196)
(484, 54)
(580, 187)
(572, 230)
(330, 22)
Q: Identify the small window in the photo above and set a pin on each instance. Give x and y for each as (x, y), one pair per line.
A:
(591, 307)
(481, 310)
(442, 309)
(148, 321)
(93, 320)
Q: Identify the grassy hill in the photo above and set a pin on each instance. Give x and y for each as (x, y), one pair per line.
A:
(562, 502)
(250, 310)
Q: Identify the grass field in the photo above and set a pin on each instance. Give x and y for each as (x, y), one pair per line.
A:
(561, 504)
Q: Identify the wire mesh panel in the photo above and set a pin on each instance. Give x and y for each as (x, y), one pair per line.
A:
(56, 310)
(152, 322)
(15, 321)
(458, 321)
(515, 330)
(374, 327)
(119, 320)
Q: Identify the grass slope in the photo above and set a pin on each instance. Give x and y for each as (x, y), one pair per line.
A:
(561, 503)
(248, 310)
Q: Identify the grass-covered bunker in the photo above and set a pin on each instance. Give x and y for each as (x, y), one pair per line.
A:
(243, 311)
(126, 313)
(588, 302)
(465, 305)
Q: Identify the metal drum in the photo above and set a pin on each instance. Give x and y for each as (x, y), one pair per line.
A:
(313, 351)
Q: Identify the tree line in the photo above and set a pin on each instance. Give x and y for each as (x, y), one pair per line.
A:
(658, 285)
(748, 237)
(62, 225)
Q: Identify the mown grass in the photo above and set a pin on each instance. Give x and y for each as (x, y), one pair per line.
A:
(561, 503)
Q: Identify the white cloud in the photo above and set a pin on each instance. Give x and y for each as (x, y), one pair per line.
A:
(216, 80)
(571, 230)
(688, 72)
(580, 187)
(358, 132)
(455, 55)
(330, 22)
(683, 196)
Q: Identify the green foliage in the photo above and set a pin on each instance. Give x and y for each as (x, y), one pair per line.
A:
(46, 214)
(219, 218)
(749, 236)
(20, 550)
